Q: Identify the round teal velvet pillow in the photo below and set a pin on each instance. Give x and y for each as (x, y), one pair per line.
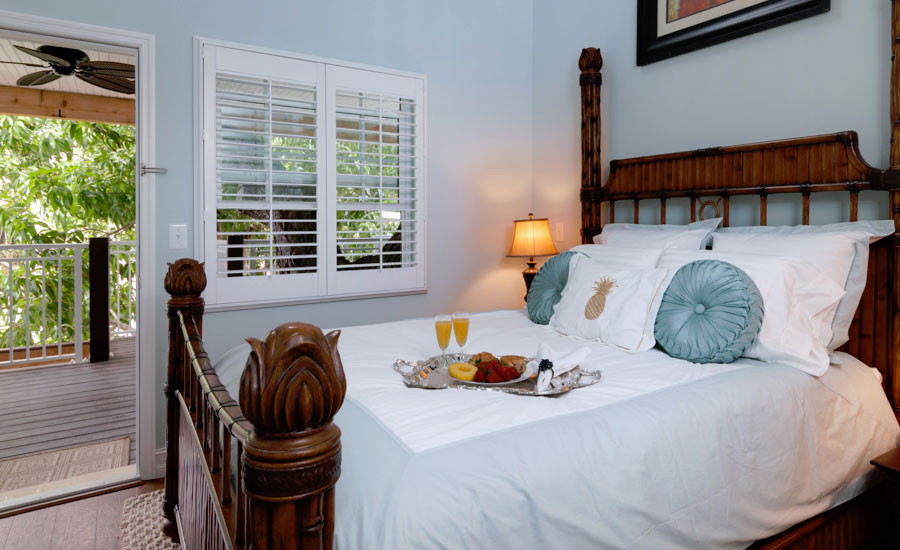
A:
(711, 313)
(547, 287)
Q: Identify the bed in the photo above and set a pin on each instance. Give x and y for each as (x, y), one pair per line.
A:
(659, 454)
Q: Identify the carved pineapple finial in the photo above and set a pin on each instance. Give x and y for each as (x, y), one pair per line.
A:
(185, 277)
(293, 381)
(597, 303)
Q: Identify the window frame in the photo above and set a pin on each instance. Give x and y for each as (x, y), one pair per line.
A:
(326, 210)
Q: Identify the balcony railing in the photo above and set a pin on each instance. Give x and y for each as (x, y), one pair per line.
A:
(50, 294)
(123, 288)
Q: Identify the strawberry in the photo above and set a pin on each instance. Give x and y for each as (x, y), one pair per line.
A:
(504, 373)
(493, 364)
(479, 376)
(494, 377)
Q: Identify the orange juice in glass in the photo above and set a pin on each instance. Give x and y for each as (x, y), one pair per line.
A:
(442, 328)
(461, 329)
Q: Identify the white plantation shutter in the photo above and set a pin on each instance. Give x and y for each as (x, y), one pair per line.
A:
(313, 182)
(263, 160)
(375, 152)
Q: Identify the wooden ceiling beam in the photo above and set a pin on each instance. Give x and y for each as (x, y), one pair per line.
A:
(52, 104)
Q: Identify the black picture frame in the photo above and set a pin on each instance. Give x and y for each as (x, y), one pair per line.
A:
(651, 48)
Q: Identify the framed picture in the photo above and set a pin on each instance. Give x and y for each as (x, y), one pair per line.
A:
(667, 28)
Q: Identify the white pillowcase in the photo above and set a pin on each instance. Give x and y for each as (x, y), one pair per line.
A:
(843, 256)
(877, 229)
(856, 280)
(707, 225)
(693, 239)
(620, 257)
(615, 306)
(799, 300)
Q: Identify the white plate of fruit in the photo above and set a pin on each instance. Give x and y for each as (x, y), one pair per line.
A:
(485, 369)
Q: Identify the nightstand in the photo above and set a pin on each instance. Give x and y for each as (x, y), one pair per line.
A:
(889, 464)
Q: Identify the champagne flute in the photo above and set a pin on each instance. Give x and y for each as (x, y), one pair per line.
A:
(442, 329)
(461, 329)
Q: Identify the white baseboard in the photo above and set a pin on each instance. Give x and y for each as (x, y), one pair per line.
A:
(161, 462)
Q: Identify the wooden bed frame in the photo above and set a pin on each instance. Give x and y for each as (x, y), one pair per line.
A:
(288, 447)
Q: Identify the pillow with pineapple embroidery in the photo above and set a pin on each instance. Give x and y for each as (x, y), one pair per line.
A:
(615, 306)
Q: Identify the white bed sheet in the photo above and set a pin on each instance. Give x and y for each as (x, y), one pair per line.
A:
(661, 453)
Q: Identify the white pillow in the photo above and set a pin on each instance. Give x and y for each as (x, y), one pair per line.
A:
(799, 302)
(615, 306)
(693, 239)
(708, 225)
(620, 257)
(856, 280)
(841, 255)
(876, 229)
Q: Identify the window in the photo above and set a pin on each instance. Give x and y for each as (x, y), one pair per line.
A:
(313, 182)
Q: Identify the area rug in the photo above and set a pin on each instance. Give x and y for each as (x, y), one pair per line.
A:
(142, 522)
(40, 468)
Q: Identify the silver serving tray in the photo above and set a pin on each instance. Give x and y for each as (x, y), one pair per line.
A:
(431, 374)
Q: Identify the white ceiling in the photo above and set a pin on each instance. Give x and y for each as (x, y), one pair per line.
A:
(10, 73)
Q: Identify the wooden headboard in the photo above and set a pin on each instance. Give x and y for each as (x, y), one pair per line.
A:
(802, 166)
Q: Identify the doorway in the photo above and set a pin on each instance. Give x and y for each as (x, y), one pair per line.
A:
(76, 266)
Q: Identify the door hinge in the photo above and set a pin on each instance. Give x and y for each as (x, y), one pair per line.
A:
(150, 170)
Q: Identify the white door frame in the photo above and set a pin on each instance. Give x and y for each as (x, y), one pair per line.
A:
(145, 118)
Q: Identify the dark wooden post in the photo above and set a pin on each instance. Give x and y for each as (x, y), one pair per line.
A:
(185, 282)
(98, 312)
(237, 263)
(893, 374)
(590, 64)
(292, 387)
(895, 84)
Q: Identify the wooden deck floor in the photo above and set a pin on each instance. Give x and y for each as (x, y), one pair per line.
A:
(53, 407)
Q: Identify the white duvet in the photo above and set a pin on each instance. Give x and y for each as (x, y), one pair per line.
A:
(661, 453)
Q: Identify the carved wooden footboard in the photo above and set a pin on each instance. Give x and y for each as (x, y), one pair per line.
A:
(288, 448)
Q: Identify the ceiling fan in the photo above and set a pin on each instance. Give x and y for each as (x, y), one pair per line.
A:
(110, 75)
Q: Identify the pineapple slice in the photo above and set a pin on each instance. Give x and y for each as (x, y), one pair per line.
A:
(462, 371)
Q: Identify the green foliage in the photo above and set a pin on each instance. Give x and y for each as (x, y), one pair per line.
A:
(64, 181)
(359, 219)
(61, 181)
(367, 159)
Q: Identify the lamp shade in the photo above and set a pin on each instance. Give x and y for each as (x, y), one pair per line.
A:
(531, 237)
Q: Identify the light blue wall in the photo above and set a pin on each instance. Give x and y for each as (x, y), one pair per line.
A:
(823, 74)
(477, 59)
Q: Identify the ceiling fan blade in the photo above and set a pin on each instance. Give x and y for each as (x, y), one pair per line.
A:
(111, 83)
(21, 63)
(36, 79)
(44, 56)
(109, 68)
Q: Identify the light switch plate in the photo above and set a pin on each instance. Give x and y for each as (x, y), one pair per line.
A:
(177, 236)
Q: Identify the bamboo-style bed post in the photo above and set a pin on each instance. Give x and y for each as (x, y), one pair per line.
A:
(895, 84)
(892, 383)
(185, 282)
(590, 64)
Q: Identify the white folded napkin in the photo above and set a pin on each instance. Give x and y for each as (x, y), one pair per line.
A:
(563, 361)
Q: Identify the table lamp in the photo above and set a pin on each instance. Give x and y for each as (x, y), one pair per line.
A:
(531, 238)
